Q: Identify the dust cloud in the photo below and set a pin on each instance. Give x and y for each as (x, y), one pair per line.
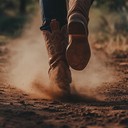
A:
(28, 69)
(29, 61)
(94, 75)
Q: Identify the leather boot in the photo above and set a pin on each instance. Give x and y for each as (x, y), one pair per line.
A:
(78, 50)
(59, 73)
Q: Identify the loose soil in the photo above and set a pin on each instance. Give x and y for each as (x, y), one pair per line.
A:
(19, 110)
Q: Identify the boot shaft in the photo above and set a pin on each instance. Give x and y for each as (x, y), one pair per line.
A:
(56, 43)
(59, 72)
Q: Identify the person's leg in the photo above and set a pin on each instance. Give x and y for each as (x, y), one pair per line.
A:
(53, 9)
(78, 51)
(54, 31)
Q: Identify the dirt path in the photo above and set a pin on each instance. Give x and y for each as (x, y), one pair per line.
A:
(19, 110)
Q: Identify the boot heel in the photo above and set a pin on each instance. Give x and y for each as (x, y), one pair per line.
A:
(76, 24)
(76, 27)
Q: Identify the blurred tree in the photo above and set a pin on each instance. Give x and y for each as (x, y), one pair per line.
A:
(113, 5)
(18, 6)
(14, 14)
(22, 7)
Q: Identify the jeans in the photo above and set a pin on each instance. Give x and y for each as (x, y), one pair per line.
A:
(53, 9)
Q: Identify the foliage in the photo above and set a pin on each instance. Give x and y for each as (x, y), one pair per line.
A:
(15, 5)
(113, 5)
(14, 13)
(113, 16)
(110, 24)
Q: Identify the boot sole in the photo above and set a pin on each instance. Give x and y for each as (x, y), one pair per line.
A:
(78, 51)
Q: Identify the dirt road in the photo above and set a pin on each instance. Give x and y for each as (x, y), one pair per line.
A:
(19, 110)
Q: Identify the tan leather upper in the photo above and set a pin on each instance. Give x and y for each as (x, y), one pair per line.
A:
(56, 42)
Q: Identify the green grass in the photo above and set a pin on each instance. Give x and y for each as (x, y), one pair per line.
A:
(11, 26)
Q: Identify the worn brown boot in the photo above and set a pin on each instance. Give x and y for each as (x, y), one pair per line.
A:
(78, 50)
(59, 72)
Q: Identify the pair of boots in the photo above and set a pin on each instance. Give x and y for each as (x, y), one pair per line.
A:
(68, 46)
